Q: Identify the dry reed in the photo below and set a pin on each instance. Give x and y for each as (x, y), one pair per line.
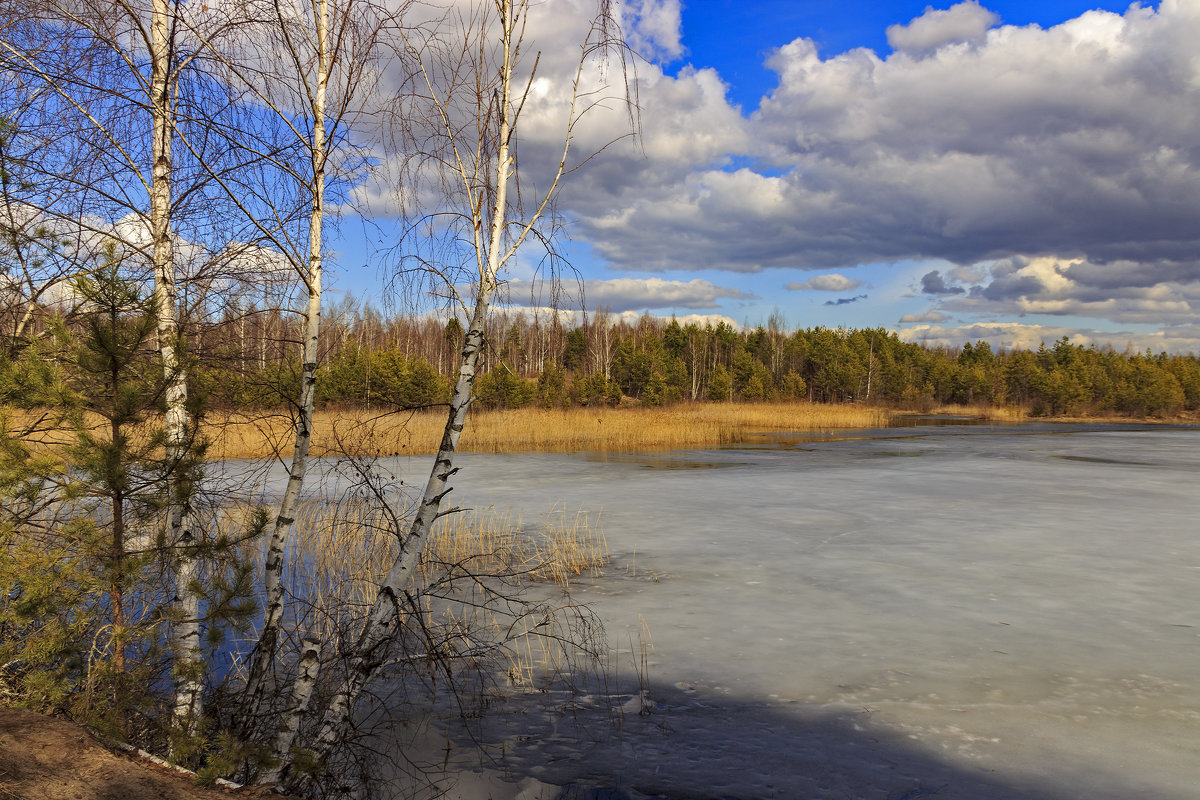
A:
(990, 413)
(362, 432)
(344, 549)
(348, 547)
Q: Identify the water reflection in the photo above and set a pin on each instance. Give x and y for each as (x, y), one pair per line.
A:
(910, 426)
(934, 420)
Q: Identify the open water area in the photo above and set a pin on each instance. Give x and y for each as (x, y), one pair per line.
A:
(950, 611)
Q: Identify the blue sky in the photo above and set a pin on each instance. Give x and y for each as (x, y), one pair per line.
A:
(735, 36)
(1004, 171)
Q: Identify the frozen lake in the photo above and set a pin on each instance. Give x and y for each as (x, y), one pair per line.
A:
(962, 612)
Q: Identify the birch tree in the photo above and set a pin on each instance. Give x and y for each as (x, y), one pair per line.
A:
(489, 76)
(180, 522)
(307, 73)
(108, 81)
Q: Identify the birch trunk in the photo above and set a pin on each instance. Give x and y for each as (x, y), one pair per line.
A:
(180, 536)
(264, 655)
(495, 238)
(289, 724)
(370, 649)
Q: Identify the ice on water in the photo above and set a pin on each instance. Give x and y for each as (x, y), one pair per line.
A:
(976, 612)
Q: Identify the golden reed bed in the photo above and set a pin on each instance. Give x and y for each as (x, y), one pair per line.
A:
(363, 432)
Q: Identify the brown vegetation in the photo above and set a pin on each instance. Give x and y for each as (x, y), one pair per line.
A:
(1001, 414)
(533, 429)
(372, 433)
(347, 547)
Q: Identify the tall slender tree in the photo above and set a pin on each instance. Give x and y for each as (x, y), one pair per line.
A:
(307, 70)
(488, 78)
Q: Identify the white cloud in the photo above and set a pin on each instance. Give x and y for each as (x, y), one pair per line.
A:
(1161, 293)
(572, 317)
(259, 264)
(681, 121)
(965, 22)
(1037, 171)
(700, 320)
(969, 273)
(654, 29)
(928, 316)
(1016, 335)
(632, 294)
(1050, 173)
(1076, 143)
(832, 282)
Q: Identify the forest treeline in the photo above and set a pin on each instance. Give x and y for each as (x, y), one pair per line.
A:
(377, 361)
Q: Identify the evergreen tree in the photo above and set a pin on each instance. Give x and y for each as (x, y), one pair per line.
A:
(97, 499)
(82, 519)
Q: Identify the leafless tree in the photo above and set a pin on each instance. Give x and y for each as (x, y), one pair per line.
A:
(251, 110)
(477, 80)
(308, 71)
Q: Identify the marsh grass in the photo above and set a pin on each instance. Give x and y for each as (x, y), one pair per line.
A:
(491, 590)
(353, 541)
(1003, 414)
(343, 550)
(359, 432)
(365, 433)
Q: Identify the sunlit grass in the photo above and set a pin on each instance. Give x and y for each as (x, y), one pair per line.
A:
(351, 545)
(530, 429)
(468, 591)
(342, 552)
(372, 433)
(990, 413)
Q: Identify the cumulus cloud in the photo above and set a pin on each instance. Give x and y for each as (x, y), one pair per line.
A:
(928, 316)
(572, 317)
(682, 121)
(1044, 171)
(636, 294)
(833, 282)
(1160, 293)
(1076, 141)
(969, 273)
(654, 29)
(622, 294)
(1022, 336)
(631, 317)
(965, 22)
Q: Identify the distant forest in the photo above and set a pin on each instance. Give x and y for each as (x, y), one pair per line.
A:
(377, 361)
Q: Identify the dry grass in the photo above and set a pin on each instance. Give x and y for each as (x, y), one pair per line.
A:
(529, 429)
(349, 546)
(990, 413)
(366, 433)
(1018, 414)
(344, 550)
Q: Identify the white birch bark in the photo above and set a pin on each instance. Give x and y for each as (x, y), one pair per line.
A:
(289, 722)
(180, 533)
(496, 238)
(492, 252)
(370, 649)
(266, 648)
